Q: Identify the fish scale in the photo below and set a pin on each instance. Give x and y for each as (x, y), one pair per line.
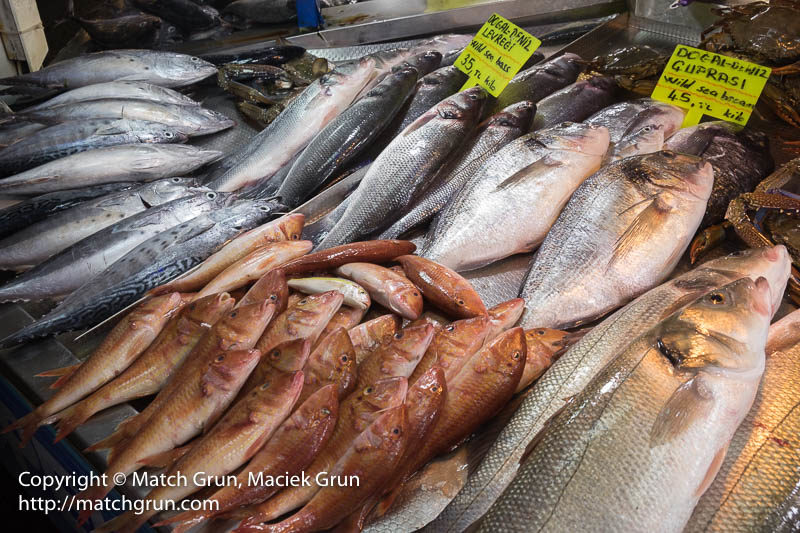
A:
(574, 369)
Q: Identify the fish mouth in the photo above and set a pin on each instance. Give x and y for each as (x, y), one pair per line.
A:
(762, 300)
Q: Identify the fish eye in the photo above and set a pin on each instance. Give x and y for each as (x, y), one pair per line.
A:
(275, 354)
(220, 358)
(273, 297)
(516, 355)
(237, 228)
(264, 208)
(265, 385)
(368, 390)
(176, 180)
(195, 59)
(450, 327)
(716, 298)
(295, 236)
(303, 301)
(415, 293)
(434, 389)
(460, 301)
(168, 134)
(540, 332)
(398, 335)
(211, 195)
(668, 154)
(396, 431)
(233, 315)
(344, 359)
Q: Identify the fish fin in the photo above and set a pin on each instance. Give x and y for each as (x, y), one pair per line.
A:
(165, 459)
(69, 419)
(531, 170)
(689, 402)
(115, 438)
(28, 424)
(713, 470)
(645, 223)
(63, 374)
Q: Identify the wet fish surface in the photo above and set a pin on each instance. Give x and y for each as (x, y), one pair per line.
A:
(574, 102)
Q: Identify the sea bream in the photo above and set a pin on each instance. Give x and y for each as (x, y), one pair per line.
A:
(46, 238)
(166, 69)
(67, 270)
(127, 162)
(154, 262)
(405, 166)
(536, 173)
(666, 408)
(570, 374)
(621, 233)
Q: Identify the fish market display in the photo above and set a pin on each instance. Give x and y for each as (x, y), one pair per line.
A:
(666, 408)
(409, 161)
(624, 230)
(166, 69)
(538, 171)
(127, 162)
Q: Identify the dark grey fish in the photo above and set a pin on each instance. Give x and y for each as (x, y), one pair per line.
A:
(72, 137)
(740, 158)
(346, 136)
(69, 269)
(575, 102)
(184, 13)
(496, 131)
(13, 133)
(539, 81)
(125, 31)
(152, 263)
(25, 213)
(405, 166)
(271, 55)
(167, 69)
(37, 242)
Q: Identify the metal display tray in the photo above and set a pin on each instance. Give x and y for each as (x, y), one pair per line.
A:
(20, 389)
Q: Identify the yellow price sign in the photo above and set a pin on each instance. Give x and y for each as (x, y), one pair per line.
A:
(705, 83)
(496, 54)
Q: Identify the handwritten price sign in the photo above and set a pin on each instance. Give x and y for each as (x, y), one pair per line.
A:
(496, 54)
(705, 83)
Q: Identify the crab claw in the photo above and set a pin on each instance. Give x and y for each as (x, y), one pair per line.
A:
(707, 239)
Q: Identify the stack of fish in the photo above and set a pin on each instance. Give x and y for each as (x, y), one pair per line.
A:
(308, 369)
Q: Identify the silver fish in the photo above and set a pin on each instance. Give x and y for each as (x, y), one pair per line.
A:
(191, 120)
(69, 269)
(573, 370)
(72, 137)
(656, 422)
(404, 167)
(132, 90)
(166, 69)
(535, 174)
(621, 233)
(495, 132)
(758, 484)
(127, 162)
(346, 135)
(39, 241)
(154, 262)
(574, 102)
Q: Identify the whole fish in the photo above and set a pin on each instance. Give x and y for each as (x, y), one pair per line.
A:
(356, 413)
(236, 330)
(44, 239)
(26, 212)
(740, 158)
(492, 135)
(190, 120)
(386, 287)
(70, 138)
(302, 119)
(346, 135)
(232, 441)
(266, 11)
(375, 251)
(129, 90)
(150, 371)
(398, 357)
(333, 362)
(128, 162)
(125, 31)
(255, 264)
(118, 350)
(191, 16)
(757, 485)
(443, 287)
(626, 117)
(540, 80)
(67, 270)
(372, 458)
(690, 382)
(575, 102)
(193, 406)
(368, 336)
(409, 161)
(621, 233)
(291, 449)
(354, 294)
(536, 173)
(573, 370)
(166, 69)
(542, 344)
(452, 346)
(286, 228)
(155, 261)
(483, 385)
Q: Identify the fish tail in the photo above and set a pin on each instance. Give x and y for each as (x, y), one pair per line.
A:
(63, 374)
(115, 440)
(28, 424)
(69, 419)
(93, 493)
(165, 459)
